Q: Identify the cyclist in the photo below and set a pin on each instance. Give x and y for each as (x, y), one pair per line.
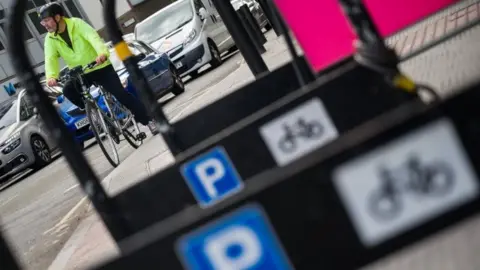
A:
(79, 44)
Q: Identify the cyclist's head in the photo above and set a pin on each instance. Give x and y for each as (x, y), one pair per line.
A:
(50, 16)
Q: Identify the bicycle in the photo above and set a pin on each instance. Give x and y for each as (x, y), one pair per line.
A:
(111, 121)
(308, 130)
(433, 180)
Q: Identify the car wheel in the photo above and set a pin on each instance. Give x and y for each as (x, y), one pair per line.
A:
(216, 57)
(178, 85)
(40, 151)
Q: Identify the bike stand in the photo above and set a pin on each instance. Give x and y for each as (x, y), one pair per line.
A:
(251, 146)
(279, 158)
(314, 214)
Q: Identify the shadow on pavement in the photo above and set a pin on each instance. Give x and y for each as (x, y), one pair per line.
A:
(17, 178)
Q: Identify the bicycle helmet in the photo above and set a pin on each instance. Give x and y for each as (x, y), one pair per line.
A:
(50, 10)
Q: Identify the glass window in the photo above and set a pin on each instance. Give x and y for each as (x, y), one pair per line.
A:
(36, 22)
(8, 114)
(143, 47)
(2, 46)
(27, 35)
(73, 9)
(198, 4)
(23, 113)
(165, 22)
(26, 109)
(116, 62)
(136, 50)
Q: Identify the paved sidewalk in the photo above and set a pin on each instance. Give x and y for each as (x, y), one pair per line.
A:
(445, 67)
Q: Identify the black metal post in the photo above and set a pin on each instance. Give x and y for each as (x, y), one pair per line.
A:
(283, 29)
(373, 53)
(267, 10)
(242, 14)
(7, 260)
(253, 22)
(141, 84)
(371, 48)
(105, 206)
(240, 36)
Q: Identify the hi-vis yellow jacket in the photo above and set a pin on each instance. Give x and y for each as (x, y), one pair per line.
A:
(87, 45)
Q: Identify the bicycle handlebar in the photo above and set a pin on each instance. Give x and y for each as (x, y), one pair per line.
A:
(76, 71)
(91, 65)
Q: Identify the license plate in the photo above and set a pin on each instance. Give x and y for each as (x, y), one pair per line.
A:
(82, 123)
(178, 64)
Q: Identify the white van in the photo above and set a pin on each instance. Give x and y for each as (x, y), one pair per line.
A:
(191, 32)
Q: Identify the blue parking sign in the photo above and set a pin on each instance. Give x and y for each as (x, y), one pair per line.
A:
(211, 177)
(243, 239)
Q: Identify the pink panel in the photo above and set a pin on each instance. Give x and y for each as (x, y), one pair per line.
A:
(325, 34)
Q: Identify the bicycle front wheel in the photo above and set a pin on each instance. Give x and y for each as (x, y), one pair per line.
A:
(125, 121)
(100, 131)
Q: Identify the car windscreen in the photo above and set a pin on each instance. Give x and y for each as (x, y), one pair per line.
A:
(116, 62)
(8, 114)
(165, 22)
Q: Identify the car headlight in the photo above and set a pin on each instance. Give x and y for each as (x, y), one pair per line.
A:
(190, 37)
(12, 143)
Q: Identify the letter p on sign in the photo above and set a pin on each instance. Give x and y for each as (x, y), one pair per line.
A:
(241, 240)
(211, 177)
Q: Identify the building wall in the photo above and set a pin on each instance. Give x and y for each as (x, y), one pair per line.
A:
(128, 15)
(94, 10)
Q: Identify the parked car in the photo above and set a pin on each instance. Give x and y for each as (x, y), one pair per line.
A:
(75, 119)
(160, 72)
(256, 10)
(191, 32)
(24, 139)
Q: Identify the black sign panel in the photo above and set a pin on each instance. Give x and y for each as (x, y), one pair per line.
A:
(248, 99)
(378, 188)
(275, 136)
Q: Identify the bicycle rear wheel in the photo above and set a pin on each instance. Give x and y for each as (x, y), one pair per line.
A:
(99, 128)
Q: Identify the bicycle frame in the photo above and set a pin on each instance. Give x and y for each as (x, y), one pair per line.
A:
(108, 100)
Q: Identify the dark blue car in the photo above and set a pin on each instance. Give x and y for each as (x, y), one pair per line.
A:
(156, 67)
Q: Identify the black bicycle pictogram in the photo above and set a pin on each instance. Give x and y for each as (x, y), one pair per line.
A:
(435, 179)
(301, 129)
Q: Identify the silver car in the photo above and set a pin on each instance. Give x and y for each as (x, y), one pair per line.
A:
(256, 10)
(24, 138)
